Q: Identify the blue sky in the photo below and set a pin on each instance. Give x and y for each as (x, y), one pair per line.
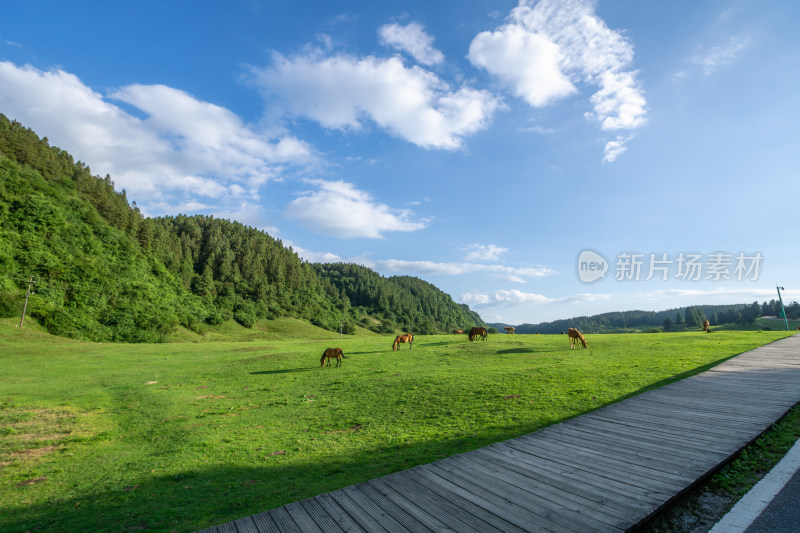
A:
(480, 145)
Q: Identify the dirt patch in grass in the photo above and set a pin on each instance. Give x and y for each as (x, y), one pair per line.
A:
(32, 433)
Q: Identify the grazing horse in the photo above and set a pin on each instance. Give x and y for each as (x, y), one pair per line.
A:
(458, 331)
(332, 353)
(477, 332)
(574, 336)
(509, 329)
(706, 323)
(408, 337)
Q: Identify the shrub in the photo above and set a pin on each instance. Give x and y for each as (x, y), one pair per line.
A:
(9, 305)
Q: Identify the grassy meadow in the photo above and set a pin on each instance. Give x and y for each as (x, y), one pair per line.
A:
(184, 435)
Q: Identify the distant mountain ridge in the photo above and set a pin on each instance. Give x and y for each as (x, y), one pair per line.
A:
(105, 272)
(691, 316)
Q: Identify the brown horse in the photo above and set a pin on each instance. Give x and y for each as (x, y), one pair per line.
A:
(408, 337)
(477, 332)
(509, 329)
(458, 331)
(332, 353)
(574, 336)
(706, 324)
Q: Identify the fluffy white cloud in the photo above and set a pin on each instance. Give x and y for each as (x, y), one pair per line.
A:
(547, 47)
(529, 62)
(338, 209)
(344, 92)
(182, 145)
(413, 40)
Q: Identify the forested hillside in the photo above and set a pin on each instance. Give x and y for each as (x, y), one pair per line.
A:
(103, 271)
(412, 304)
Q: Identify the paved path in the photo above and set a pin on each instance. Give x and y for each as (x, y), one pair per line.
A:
(772, 505)
(608, 470)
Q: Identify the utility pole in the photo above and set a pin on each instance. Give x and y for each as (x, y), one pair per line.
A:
(27, 295)
(783, 310)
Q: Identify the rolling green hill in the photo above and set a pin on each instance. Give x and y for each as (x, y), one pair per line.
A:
(105, 272)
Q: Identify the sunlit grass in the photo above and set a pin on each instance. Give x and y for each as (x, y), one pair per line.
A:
(182, 436)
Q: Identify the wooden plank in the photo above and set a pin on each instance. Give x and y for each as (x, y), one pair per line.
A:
(439, 520)
(506, 496)
(455, 505)
(633, 473)
(629, 413)
(490, 502)
(578, 502)
(705, 402)
(547, 502)
(616, 460)
(561, 487)
(265, 523)
(640, 445)
(337, 513)
(302, 518)
(643, 484)
(386, 520)
(283, 520)
(651, 466)
(690, 415)
(246, 525)
(633, 496)
(362, 516)
(322, 518)
(402, 515)
(700, 440)
(637, 432)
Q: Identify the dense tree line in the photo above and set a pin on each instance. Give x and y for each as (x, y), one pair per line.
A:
(671, 319)
(105, 272)
(403, 302)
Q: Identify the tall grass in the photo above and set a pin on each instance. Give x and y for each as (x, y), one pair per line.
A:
(181, 436)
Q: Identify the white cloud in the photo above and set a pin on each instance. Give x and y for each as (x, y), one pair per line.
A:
(484, 252)
(516, 275)
(182, 145)
(529, 62)
(547, 47)
(338, 209)
(725, 293)
(505, 298)
(413, 40)
(721, 55)
(343, 92)
(615, 148)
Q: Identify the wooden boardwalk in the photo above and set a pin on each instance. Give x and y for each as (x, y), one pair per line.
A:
(608, 470)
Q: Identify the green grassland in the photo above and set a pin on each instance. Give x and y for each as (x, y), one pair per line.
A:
(184, 435)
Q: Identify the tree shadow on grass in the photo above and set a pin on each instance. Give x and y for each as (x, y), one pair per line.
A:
(284, 371)
(204, 496)
(525, 350)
